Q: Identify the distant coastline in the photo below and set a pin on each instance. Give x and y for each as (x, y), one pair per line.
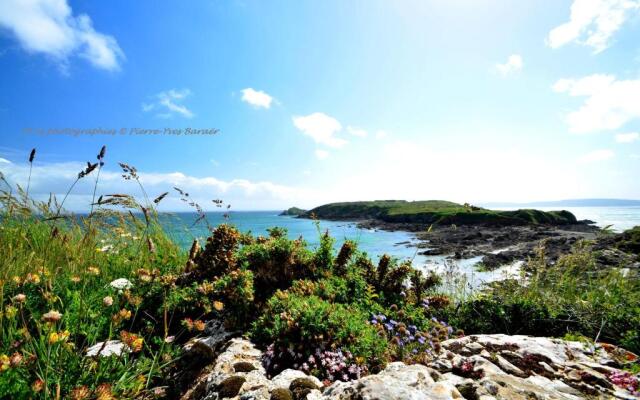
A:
(569, 203)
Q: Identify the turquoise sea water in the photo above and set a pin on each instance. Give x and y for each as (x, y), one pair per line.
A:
(375, 242)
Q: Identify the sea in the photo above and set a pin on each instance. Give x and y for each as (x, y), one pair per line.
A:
(375, 242)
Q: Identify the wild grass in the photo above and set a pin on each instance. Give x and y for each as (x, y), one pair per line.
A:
(56, 300)
(572, 296)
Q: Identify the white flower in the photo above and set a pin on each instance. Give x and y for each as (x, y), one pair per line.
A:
(121, 284)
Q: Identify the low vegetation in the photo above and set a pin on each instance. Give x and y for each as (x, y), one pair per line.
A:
(571, 297)
(293, 211)
(70, 284)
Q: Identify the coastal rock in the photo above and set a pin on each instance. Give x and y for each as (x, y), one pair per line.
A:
(285, 378)
(482, 367)
(397, 381)
(238, 374)
(525, 367)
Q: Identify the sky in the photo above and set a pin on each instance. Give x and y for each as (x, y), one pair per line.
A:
(268, 105)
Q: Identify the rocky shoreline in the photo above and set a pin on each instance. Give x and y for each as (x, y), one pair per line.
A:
(478, 367)
(504, 245)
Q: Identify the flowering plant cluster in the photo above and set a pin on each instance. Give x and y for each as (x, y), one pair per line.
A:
(627, 381)
(329, 365)
(409, 343)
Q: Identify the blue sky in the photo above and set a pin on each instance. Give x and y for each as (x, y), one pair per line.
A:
(471, 101)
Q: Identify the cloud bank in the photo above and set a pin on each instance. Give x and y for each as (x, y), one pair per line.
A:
(49, 27)
(593, 23)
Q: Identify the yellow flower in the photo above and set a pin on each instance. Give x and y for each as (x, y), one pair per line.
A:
(5, 363)
(218, 305)
(64, 335)
(121, 315)
(38, 385)
(93, 271)
(10, 312)
(33, 278)
(54, 338)
(136, 345)
(103, 392)
(75, 279)
(188, 323)
(198, 325)
(17, 280)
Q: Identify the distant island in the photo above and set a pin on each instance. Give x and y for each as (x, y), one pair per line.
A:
(437, 212)
(570, 203)
(293, 211)
(465, 230)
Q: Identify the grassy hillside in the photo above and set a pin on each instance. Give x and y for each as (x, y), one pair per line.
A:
(293, 211)
(437, 212)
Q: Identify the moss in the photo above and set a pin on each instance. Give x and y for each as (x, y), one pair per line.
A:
(230, 387)
(281, 394)
(243, 366)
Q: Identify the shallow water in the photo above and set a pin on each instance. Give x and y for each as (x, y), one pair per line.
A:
(377, 242)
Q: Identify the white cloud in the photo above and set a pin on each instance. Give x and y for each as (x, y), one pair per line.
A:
(416, 170)
(357, 131)
(4, 161)
(322, 154)
(597, 155)
(49, 27)
(627, 137)
(381, 134)
(321, 127)
(240, 193)
(592, 23)
(609, 103)
(168, 104)
(514, 64)
(256, 98)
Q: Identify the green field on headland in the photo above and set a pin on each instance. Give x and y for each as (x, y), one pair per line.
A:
(436, 212)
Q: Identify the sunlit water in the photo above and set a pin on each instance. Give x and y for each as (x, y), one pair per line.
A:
(377, 242)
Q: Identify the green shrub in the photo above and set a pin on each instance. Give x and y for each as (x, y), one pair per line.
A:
(305, 323)
(571, 296)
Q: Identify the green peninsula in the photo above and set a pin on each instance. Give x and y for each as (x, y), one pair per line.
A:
(436, 212)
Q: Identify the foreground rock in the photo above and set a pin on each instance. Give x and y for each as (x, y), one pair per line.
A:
(238, 374)
(524, 367)
(482, 367)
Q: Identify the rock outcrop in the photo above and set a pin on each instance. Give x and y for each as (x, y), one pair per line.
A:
(478, 367)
